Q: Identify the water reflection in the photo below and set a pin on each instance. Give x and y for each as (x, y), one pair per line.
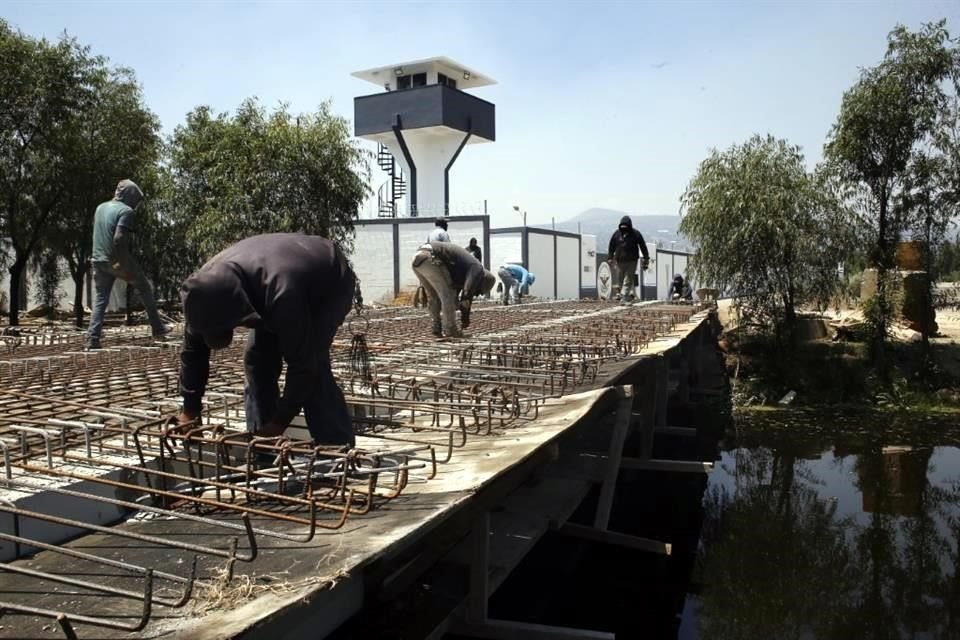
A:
(832, 533)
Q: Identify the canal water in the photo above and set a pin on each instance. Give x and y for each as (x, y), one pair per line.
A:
(814, 525)
(819, 525)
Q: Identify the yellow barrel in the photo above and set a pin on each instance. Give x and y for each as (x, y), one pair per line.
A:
(909, 256)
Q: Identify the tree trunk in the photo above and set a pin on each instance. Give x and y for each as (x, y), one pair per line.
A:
(78, 281)
(879, 338)
(16, 273)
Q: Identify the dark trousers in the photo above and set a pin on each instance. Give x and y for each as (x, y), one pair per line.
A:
(325, 408)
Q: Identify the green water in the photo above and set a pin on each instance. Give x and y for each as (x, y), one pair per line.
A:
(830, 526)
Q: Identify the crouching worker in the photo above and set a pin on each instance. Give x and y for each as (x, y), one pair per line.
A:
(447, 271)
(680, 289)
(293, 291)
(516, 281)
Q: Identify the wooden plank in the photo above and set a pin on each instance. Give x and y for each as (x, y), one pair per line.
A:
(612, 537)
(621, 428)
(682, 466)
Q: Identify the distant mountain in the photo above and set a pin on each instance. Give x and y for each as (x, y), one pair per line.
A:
(603, 222)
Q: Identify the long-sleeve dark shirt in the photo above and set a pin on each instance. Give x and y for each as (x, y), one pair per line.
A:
(465, 270)
(296, 286)
(627, 244)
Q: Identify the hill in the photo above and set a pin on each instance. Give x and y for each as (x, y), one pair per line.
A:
(602, 222)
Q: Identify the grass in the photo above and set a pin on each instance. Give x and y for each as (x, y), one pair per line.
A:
(825, 373)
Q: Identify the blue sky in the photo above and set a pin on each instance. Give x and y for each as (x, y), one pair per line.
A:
(598, 104)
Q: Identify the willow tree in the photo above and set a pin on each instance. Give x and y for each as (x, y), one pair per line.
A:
(764, 230)
(885, 140)
(42, 86)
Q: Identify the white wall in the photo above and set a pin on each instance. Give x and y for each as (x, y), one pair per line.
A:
(505, 247)
(540, 250)
(372, 260)
(568, 268)
(670, 265)
(118, 296)
(412, 237)
(651, 276)
(461, 232)
(588, 260)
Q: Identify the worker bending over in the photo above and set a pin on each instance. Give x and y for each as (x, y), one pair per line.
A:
(447, 271)
(516, 280)
(680, 289)
(626, 244)
(293, 290)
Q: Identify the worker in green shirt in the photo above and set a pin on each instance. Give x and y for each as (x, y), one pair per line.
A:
(114, 225)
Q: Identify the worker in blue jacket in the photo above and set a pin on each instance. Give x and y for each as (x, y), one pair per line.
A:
(516, 281)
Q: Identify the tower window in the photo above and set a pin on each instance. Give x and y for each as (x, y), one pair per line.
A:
(446, 81)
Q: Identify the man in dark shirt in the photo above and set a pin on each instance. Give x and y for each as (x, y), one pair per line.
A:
(447, 271)
(294, 291)
(680, 289)
(474, 248)
(626, 244)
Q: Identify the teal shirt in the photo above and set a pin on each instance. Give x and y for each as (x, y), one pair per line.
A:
(107, 218)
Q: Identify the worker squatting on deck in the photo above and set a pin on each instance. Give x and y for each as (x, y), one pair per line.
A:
(447, 271)
(294, 291)
(516, 281)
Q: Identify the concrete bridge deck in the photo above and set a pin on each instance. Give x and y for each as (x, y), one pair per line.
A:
(499, 440)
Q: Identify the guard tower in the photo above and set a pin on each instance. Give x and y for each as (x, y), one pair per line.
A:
(421, 124)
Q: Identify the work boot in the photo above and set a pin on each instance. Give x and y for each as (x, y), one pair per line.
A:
(92, 344)
(437, 332)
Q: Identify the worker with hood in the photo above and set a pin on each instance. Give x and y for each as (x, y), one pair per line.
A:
(474, 248)
(516, 281)
(448, 272)
(439, 233)
(626, 245)
(680, 288)
(293, 291)
(114, 227)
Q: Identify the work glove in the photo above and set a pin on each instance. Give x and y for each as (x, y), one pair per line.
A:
(465, 314)
(185, 421)
(645, 263)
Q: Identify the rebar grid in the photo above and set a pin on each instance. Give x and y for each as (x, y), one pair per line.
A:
(95, 427)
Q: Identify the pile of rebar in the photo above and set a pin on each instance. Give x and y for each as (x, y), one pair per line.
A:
(94, 431)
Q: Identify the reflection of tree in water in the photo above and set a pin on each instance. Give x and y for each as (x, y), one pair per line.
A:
(899, 550)
(778, 562)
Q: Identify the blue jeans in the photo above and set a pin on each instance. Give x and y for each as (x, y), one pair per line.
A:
(104, 276)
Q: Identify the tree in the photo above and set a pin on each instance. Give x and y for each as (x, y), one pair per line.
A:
(41, 87)
(254, 172)
(114, 137)
(763, 229)
(887, 121)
